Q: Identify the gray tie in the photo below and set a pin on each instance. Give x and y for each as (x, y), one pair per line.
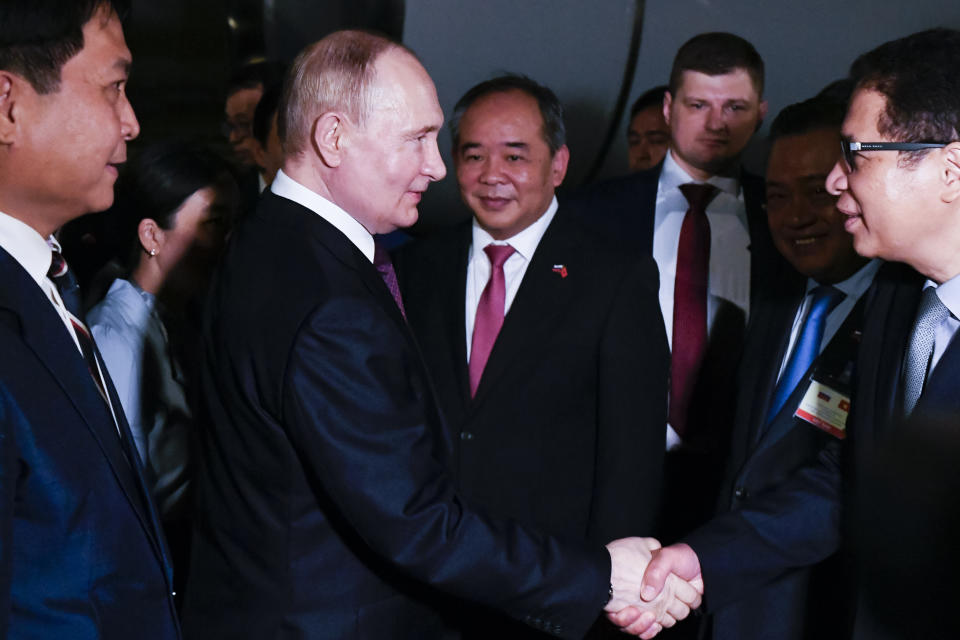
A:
(930, 315)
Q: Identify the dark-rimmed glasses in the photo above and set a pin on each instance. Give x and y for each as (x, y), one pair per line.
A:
(848, 149)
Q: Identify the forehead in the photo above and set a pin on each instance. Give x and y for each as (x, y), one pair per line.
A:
(243, 101)
(803, 155)
(649, 117)
(104, 47)
(735, 85)
(403, 90)
(863, 115)
(509, 113)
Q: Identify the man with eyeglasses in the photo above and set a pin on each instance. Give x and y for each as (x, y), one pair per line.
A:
(898, 184)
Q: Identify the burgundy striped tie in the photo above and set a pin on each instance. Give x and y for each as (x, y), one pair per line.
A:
(690, 302)
(69, 291)
(384, 266)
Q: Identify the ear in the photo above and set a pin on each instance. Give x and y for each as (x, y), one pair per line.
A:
(950, 173)
(8, 91)
(151, 236)
(558, 168)
(329, 137)
(667, 102)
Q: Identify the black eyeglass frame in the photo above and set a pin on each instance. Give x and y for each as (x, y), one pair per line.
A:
(849, 147)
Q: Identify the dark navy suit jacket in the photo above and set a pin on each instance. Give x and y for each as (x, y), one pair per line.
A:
(325, 508)
(81, 553)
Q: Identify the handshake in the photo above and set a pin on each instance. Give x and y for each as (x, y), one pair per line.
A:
(652, 587)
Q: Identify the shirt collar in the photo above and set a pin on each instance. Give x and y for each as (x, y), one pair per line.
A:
(26, 246)
(949, 294)
(673, 175)
(855, 285)
(525, 242)
(286, 187)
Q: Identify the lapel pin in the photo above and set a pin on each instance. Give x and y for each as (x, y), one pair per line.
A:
(561, 269)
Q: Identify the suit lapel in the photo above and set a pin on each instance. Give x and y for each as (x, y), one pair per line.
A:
(43, 332)
(942, 391)
(450, 299)
(542, 296)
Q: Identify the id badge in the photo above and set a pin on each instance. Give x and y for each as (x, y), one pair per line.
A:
(825, 408)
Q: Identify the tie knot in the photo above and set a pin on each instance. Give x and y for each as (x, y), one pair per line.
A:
(825, 298)
(58, 266)
(931, 312)
(498, 254)
(698, 195)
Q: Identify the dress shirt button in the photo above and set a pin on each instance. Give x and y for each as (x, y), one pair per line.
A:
(466, 435)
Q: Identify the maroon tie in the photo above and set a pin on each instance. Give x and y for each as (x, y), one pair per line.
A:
(381, 260)
(690, 301)
(489, 317)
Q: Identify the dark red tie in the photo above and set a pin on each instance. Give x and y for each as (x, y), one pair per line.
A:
(489, 317)
(69, 291)
(690, 301)
(384, 265)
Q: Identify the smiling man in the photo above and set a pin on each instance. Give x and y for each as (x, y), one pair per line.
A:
(82, 553)
(325, 504)
(800, 348)
(546, 346)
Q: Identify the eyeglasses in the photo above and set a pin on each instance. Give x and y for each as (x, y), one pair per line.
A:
(848, 149)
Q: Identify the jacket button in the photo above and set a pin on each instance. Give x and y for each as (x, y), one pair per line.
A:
(741, 493)
(466, 435)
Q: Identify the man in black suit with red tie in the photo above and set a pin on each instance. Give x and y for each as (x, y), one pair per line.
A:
(546, 344)
(325, 509)
(700, 215)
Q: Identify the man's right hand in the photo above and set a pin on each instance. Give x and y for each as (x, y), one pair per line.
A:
(652, 587)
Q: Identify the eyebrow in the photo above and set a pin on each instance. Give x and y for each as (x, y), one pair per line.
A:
(123, 64)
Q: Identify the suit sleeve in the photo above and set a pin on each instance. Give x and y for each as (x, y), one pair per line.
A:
(9, 418)
(794, 525)
(354, 404)
(632, 410)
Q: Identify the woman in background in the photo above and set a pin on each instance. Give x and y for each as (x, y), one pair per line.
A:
(175, 205)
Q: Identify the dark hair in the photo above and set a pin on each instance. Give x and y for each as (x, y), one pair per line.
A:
(265, 73)
(267, 108)
(918, 77)
(551, 110)
(649, 98)
(820, 112)
(160, 180)
(38, 36)
(716, 54)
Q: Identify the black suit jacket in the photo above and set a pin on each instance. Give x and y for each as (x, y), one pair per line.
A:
(323, 502)
(566, 431)
(81, 553)
(624, 209)
(745, 555)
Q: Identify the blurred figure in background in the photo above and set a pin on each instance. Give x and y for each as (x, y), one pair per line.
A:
(267, 152)
(648, 134)
(177, 203)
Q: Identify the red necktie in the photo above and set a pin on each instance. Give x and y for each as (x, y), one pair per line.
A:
(690, 301)
(489, 317)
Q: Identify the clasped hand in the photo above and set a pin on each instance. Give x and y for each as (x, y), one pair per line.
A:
(653, 587)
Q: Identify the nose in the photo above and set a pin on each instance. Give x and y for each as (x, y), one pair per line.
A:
(491, 172)
(433, 166)
(715, 120)
(837, 179)
(129, 126)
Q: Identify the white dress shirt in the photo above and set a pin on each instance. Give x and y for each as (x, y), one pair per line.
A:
(286, 187)
(478, 265)
(28, 248)
(729, 273)
(949, 294)
(854, 287)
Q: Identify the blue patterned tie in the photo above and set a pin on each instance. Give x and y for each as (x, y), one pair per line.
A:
(807, 347)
